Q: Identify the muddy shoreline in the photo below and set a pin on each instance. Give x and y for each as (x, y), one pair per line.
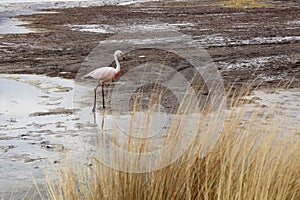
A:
(246, 44)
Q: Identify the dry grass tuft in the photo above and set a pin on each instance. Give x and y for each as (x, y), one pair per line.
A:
(246, 163)
(245, 3)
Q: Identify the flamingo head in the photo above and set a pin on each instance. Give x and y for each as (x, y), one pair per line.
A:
(119, 54)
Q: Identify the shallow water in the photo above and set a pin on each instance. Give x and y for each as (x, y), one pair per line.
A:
(280, 109)
(29, 142)
(10, 25)
(44, 121)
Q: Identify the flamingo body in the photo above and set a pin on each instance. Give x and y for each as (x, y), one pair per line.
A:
(105, 74)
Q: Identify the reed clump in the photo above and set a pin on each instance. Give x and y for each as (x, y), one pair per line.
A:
(249, 161)
(245, 3)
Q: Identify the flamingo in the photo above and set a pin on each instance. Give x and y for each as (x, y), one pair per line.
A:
(105, 74)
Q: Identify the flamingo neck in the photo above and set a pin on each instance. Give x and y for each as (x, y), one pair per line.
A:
(118, 68)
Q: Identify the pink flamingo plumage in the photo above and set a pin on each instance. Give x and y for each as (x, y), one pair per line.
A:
(105, 74)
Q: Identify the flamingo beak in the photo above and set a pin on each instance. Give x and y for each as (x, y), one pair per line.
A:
(123, 57)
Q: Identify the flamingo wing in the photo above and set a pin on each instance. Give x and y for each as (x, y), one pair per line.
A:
(103, 74)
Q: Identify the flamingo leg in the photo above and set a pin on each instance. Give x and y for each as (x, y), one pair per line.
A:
(95, 98)
(103, 96)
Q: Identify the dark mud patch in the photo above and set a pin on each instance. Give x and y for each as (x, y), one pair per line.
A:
(26, 158)
(53, 147)
(56, 111)
(230, 36)
(5, 149)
